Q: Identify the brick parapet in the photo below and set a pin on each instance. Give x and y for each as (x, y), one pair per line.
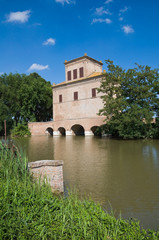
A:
(39, 128)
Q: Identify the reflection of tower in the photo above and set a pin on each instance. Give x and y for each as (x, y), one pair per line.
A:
(76, 101)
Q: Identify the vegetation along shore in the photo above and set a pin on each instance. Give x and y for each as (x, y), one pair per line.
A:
(31, 211)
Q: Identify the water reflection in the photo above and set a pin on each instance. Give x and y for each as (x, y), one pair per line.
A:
(124, 173)
(150, 151)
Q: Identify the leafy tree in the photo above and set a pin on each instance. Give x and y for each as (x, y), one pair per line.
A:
(4, 110)
(130, 100)
(24, 98)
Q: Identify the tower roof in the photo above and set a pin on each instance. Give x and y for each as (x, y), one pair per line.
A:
(83, 57)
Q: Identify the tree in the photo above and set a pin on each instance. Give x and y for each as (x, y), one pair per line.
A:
(130, 100)
(24, 98)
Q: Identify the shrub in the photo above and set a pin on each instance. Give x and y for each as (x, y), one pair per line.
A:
(20, 130)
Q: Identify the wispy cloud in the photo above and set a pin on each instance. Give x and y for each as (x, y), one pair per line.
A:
(125, 9)
(1, 73)
(19, 17)
(37, 24)
(49, 41)
(38, 67)
(127, 29)
(65, 1)
(108, 1)
(101, 20)
(101, 11)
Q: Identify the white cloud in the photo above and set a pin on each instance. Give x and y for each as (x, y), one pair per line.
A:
(101, 20)
(127, 29)
(108, 1)
(20, 17)
(49, 41)
(125, 9)
(100, 11)
(1, 73)
(65, 1)
(37, 67)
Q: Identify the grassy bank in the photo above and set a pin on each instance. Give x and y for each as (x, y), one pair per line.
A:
(30, 211)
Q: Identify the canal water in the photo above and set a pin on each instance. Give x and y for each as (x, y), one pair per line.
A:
(121, 175)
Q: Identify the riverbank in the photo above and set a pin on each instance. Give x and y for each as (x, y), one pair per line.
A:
(31, 211)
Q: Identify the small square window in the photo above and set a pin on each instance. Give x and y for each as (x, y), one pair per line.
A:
(75, 96)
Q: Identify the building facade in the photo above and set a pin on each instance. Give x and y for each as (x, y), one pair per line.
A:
(76, 101)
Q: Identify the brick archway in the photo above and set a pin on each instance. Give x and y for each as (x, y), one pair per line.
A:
(62, 131)
(49, 131)
(78, 130)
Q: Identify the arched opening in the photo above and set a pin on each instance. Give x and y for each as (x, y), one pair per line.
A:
(78, 130)
(62, 131)
(96, 130)
(49, 131)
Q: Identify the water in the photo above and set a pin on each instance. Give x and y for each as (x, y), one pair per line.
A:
(122, 175)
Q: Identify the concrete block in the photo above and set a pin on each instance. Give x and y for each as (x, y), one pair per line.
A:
(49, 170)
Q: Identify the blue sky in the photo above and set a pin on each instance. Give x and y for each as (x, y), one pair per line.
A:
(39, 35)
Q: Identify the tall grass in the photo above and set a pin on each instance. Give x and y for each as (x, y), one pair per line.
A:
(29, 210)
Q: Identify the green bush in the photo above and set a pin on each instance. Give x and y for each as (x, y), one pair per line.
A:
(20, 130)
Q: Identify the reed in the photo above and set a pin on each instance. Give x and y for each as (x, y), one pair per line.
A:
(29, 210)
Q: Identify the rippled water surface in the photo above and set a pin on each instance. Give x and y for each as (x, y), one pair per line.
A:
(123, 174)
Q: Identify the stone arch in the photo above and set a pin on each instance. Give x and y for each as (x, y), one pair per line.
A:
(49, 131)
(95, 132)
(78, 130)
(62, 131)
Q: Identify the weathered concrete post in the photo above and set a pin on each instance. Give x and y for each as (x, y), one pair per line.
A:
(51, 170)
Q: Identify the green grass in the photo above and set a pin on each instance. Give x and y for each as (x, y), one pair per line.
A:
(29, 210)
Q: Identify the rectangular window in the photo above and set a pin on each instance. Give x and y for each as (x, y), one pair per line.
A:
(69, 75)
(75, 95)
(74, 73)
(93, 92)
(60, 98)
(81, 73)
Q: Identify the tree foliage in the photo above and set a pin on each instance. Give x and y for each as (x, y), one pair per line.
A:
(24, 98)
(130, 101)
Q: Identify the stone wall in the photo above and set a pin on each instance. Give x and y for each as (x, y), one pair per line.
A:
(50, 171)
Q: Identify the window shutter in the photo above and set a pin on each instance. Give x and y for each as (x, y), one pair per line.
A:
(60, 98)
(81, 72)
(74, 73)
(93, 92)
(69, 75)
(75, 95)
